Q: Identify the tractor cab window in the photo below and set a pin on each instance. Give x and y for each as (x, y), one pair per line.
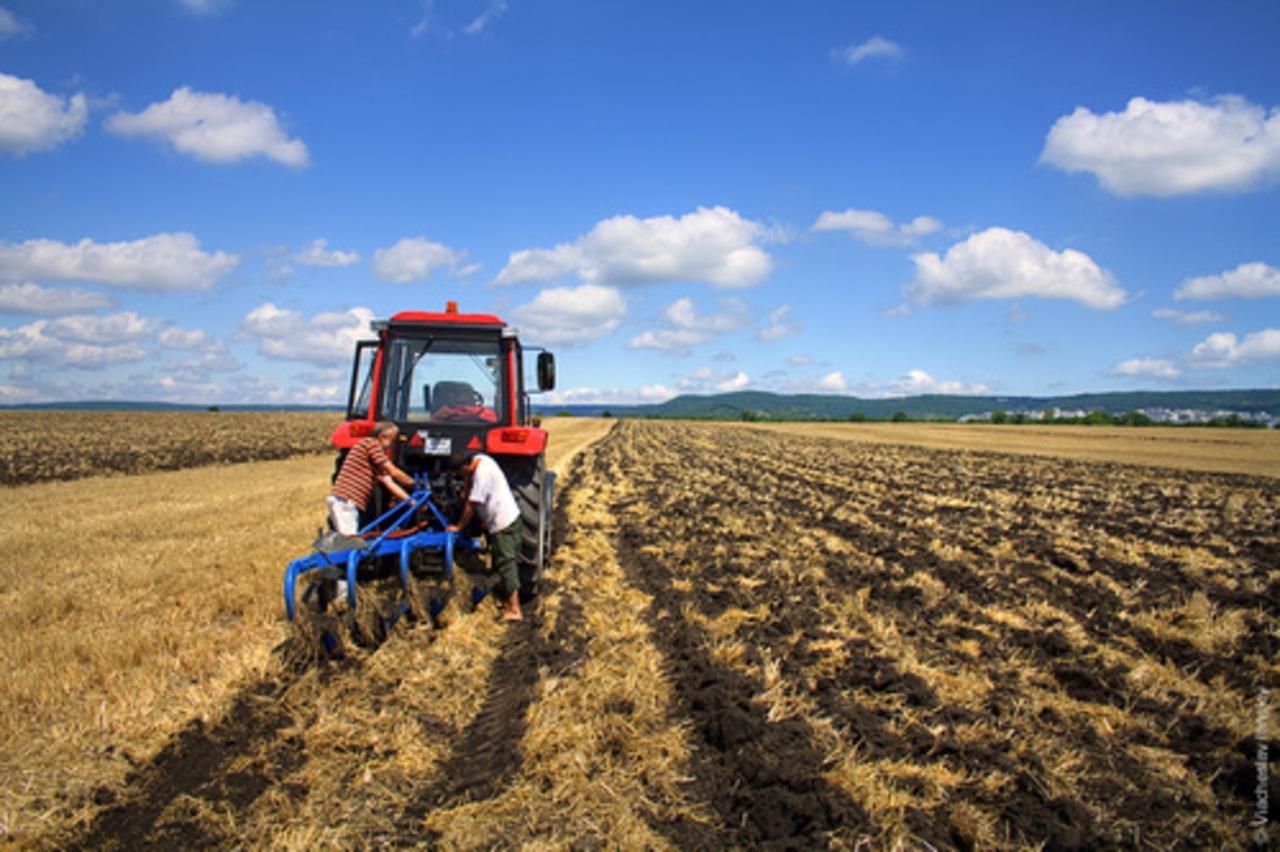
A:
(443, 381)
(361, 380)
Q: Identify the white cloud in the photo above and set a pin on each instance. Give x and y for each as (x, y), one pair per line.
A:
(778, 326)
(181, 338)
(736, 382)
(160, 262)
(876, 47)
(570, 315)
(875, 228)
(1170, 148)
(30, 298)
(705, 379)
(1246, 281)
(213, 127)
(1224, 349)
(318, 395)
(833, 382)
(31, 119)
(495, 10)
(11, 26)
(107, 329)
(801, 360)
(319, 254)
(684, 328)
(1187, 317)
(607, 396)
(81, 341)
(1158, 368)
(713, 244)
(920, 382)
(415, 258)
(322, 339)
(1002, 264)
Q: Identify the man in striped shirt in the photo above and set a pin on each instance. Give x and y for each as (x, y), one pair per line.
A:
(366, 464)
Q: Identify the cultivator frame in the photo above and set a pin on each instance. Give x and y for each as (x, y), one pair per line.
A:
(394, 534)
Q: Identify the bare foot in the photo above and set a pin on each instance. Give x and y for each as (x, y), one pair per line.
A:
(508, 615)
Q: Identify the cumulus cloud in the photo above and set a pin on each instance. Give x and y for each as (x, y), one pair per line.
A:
(415, 258)
(102, 329)
(1224, 349)
(1158, 368)
(706, 379)
(158, 263)
(876, 47)
(181, 338)
(833, 382)
(684, 328)
(1002, 264)
(571, 315)
(319, 254)
(875, 228)
(920, 382)
(31, 119)
(607, 396)
(779, 326)
(30, 298)
(1246, 281)
(81, 341)
(713, 245)
(1187, 317)
(321, 339)
(11, 26)
(213, 127)
(1170, 148)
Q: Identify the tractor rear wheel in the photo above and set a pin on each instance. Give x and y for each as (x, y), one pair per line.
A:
(529, 481)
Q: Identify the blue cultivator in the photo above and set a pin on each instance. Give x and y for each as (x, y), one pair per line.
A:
(395, 538)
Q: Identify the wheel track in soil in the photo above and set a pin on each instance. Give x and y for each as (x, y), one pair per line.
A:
(197, 762)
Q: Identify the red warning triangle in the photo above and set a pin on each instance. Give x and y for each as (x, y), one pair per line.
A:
(474, 443)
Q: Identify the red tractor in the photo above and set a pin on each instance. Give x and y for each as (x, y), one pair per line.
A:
(454, 383)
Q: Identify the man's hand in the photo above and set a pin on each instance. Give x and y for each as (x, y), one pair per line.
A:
(453, 528)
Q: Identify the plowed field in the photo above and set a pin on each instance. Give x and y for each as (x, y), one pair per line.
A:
(758, 639)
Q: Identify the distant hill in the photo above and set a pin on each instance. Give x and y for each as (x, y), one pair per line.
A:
(941, 406)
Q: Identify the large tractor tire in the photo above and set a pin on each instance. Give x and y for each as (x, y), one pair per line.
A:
(533, 488)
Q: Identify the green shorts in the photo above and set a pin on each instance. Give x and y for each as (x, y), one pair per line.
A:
(504, 555)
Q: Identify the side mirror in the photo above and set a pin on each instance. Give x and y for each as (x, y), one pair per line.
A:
(546, 371)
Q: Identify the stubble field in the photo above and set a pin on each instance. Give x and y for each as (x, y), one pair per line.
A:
(748, 638)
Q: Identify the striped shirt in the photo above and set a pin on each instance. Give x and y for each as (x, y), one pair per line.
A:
(363, 464)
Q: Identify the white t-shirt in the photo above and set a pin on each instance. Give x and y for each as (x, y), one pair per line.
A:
(492, 496)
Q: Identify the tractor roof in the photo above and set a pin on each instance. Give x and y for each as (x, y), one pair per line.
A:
(450, 318)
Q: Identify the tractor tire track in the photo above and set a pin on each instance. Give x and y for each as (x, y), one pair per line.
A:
(197, 764)
(763, 778)
(486, 756)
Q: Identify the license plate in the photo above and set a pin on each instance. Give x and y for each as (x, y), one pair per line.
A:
(436, 446)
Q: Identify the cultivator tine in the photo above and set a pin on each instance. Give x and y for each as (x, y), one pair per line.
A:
(338, 557)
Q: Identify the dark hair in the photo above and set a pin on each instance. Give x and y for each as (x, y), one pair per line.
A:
(464, 458)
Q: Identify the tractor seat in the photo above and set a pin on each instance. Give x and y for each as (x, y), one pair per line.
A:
(451, 394)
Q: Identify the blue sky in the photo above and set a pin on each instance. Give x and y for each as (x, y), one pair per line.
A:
(206, 201)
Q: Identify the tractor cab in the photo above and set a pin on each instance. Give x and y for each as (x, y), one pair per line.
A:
(452, 382)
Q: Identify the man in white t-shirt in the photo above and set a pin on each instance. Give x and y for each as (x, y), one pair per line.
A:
(489, 496)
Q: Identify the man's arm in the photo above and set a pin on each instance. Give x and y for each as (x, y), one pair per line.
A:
(400, 476)
(468, 512)
(391, 486)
